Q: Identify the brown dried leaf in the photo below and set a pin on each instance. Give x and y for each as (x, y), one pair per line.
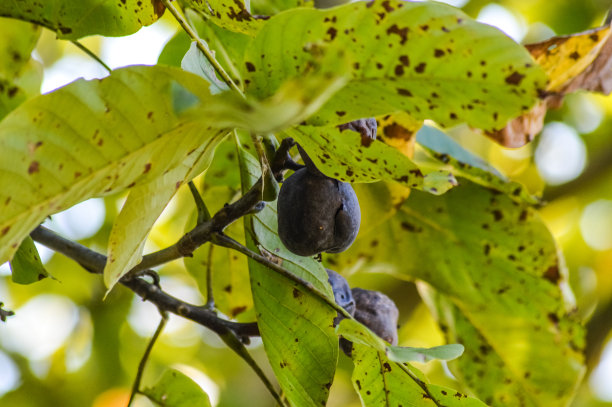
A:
(580, 61)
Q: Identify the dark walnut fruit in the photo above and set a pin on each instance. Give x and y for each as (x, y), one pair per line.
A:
(317, 214)
(378, 312)
(342, 294)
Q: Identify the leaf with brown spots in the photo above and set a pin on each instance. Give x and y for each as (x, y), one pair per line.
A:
(17, 41)
(454, 70)
(35, 166)
(76, 19)
(341, 155)
(490, 260)
(575, 62)
(296, 327)
(232, 15)
(381, 382)
(26, 266)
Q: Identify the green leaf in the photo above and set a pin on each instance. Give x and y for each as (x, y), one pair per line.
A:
(296, 326)
(92, 138)
(496, 263)
(175, 49)
(425, 58)
(196, 62)
(454, 158)
(345, 156)
(382, 382)
(146, 202)
(75, 19)
(356, 332)
(26, 266)
(11, 96)
(17, 41)
(174, 389)
(231, 15)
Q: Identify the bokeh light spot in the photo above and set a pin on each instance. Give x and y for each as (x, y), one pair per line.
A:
(499, 16)
(9, 374)
(43, 325)
(561, 153)
(600, 378)
(81, 221)
(596, 224)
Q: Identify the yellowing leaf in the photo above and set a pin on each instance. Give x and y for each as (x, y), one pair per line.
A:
(564, 58)
(575, 62)
(90, 138)
(146, 202)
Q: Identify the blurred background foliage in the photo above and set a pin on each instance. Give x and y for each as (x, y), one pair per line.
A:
(67, 347)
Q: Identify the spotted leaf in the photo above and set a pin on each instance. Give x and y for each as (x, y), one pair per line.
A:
(495, 263)
(425, 58)
(76, 19)
(344, 155)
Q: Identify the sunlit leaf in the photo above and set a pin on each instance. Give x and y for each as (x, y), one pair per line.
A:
(344, 155)
(90, 138)
(425, 58)
(11, 96)
(382, 382)
(17, 41)
(72, 20)
(147, 201)
(26, 266)
(296, 327)
(496, 262)
(174, 389)
(581, 61)
(563, 58)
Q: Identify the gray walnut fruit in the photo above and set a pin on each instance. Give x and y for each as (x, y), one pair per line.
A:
(317, 214)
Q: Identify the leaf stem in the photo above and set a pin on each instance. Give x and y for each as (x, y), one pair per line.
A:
(194, 35)
(92, 55)
(145, 356)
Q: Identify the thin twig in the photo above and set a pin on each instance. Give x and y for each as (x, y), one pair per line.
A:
(92, 55)
(145, 356)
(94, 262)
(226, 241)
(194, 35)
(238, 347)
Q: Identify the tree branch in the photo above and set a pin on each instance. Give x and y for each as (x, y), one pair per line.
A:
(94, 262)
(250, 202)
